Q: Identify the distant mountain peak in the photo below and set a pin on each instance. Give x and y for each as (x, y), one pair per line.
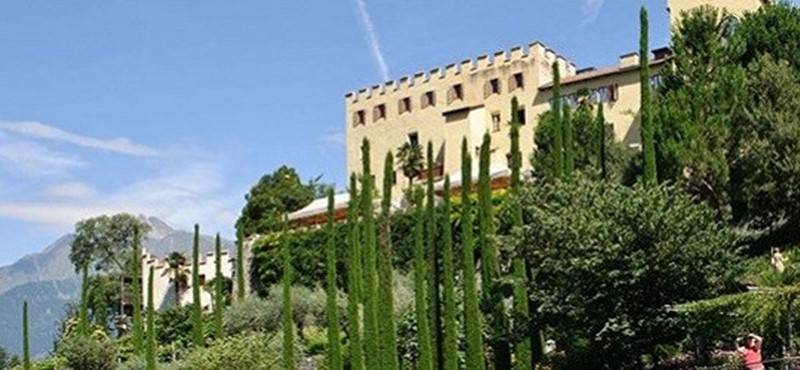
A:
(159, 229)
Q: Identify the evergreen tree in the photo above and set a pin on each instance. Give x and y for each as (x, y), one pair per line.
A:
(355, 346)
(83, 314)
(334, 341)
(289, 362)
(472, 314)
(197, 310)
(219, 297)
(558, 142)
(151, 324)
(388, 337)
(26, 344)
(241, 291)
(450, 351)
(138, 323)
(434, 274)
(369, 288)
(645, 121)
(521, 314)
(420, 287)
(492, 293)
(569, 142)
(603, 153)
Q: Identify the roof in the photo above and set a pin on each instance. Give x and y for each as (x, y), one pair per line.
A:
(320, 205)
(599, 73)
(495, 171)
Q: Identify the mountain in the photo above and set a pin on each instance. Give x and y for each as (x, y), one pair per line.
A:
(47, 280)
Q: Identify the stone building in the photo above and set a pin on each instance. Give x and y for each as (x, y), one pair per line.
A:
(164, 293)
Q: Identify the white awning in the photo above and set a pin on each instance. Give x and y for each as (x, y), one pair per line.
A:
(495, 171)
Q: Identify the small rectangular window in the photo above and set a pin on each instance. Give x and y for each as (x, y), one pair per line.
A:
(495, 86)
(404, 105)
(359, 118)
(456, 92)
(519, 81)
(394, 177)
(495, 121)
(413, 139)
(379, 112)
(428, 100)
(521, 116)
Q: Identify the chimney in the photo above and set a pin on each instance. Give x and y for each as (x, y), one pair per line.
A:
(629, 60)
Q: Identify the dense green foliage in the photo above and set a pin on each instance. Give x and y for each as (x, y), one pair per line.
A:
(645, 118)
(26, 346)
(450, 337)
(289, 362)
(332, 311)
(88, 353)
(151, 324)
(369, 286)
(197, 309)
(241, 288)
(354, 279)
(557, 153)
(472, 314)
(433, 254)
(219, 296)
(136, 267)
(421, 286)
(387, 335)
(410, 160)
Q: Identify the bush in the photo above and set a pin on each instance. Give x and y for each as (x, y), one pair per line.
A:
(254, 351)
(88, 353)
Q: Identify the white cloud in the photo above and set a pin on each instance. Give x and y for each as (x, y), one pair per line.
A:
(372, 38)
(334, 138)
(70, 190)
(44, 131)
(29, 159)
(591, 10)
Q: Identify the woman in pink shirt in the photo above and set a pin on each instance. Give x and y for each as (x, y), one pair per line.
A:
(751, 352)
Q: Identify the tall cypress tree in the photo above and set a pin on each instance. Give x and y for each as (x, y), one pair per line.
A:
(83, 313)
(472, 314)
(197, 310)
(523, 346)
(569, 142)
(219, 298)
(370, 286)
(289, 362)
(603, 151)
(450, 350)
(334, 341)
(151, 324)
(420, 287)
(558, 142)
(241, 291)
(492, 293)
(433, 256)
(138, 277)
(388, 338)
(26, 344)
(646, 124)
(355, 346)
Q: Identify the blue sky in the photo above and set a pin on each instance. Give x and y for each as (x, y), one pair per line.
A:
(174, 109)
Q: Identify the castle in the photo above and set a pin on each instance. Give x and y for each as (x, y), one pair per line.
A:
(164, 288)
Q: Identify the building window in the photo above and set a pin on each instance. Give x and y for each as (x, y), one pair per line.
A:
(516, 82)
(404, 105)
(456, 92)
(202, 279)
(491, 87)
(656, 81)
(394, 177)
(495, 121)
(413, 139)
(428, 100)
(379, 112)
(521, 116)
(359, 118)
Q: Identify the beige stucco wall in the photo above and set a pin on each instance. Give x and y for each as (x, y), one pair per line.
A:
(164, 289)
(734, 7)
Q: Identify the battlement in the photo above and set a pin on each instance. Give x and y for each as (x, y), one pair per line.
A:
(157, 263)
(533, 51)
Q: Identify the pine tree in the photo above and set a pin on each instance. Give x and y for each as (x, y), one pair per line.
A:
(83, 313)
(370, 286)
(197, 310)
(289, 362)
(645, 122)
(151, 324)
(420, 286)
(334, 341)
(450, 350)
(522, 349)
(241, 291)
(569, 142)
(434, 274)
(472, 314)
(138, 323)
(558, 142)
(219, 298)
(354, 280)
(493, 296)
(603, 151)
(388, 338)
(26, 344)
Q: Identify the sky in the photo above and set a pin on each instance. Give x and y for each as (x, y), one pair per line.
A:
(175, 109)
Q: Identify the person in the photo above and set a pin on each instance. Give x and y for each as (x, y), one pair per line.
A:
(751, 352)
(777, 261)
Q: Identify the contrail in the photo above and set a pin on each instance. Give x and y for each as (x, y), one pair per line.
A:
(373, 39)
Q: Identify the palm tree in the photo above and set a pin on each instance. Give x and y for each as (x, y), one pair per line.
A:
(176, 263)
(410, 160)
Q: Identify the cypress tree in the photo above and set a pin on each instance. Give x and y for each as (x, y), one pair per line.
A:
(26, 344)
(138, 277)
(646, 124)
(83, 313)
(450, 351)
(334, 341)
(603, 152)
(370, 286)
(197, 310)
(151, 324)
(489, 258)
(569, 142)
(523, 346)
(219, 298)
(354, 280)
(388, 338)
(433, 256)
(241, 291)
(558, 144)
(289, 362)
(472, 314)
(420, 287)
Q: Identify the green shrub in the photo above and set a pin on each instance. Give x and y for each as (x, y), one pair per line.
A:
(254, 351)
(88, 353)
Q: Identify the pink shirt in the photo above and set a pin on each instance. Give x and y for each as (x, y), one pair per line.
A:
(752, 358)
